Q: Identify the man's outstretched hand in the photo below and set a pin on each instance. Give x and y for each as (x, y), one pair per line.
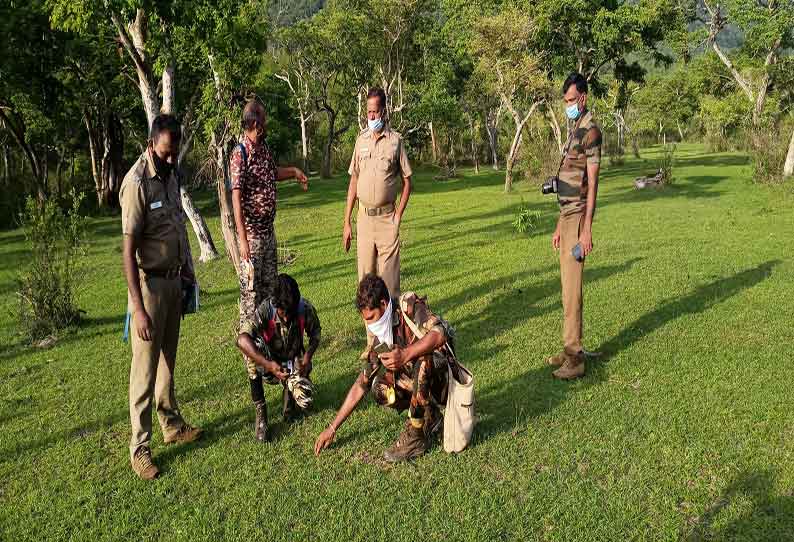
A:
(324, 440)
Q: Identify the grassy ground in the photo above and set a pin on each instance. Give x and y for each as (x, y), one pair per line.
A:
(682, 431)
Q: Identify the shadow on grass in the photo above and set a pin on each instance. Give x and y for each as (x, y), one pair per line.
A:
(507, 405)
(702, 299)
(770, 517)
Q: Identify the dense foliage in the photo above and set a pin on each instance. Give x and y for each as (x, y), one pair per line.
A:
(466, 81)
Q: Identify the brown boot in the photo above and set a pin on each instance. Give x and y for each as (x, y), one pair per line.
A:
(260, 425)
(556, 360)
(411, 443)
(573, 367)
(143, 466)
(185, 434)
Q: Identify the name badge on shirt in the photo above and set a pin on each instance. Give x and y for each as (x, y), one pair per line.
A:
(156, 205)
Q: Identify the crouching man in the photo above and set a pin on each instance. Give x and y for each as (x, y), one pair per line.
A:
(406, 367)
(273, 340)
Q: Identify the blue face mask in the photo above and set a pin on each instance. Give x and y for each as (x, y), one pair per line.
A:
(375, 125)
(572, 111)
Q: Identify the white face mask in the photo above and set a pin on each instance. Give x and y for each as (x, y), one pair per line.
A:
(382, 329)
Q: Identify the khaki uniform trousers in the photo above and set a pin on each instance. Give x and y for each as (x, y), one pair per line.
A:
(571, 271)
(152, 369)
(378, 249)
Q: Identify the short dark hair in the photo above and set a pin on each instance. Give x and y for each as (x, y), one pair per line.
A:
(377, 92)
(165, 123)
(576, 79)
(253, 112)
(287, 295)
(371, 291)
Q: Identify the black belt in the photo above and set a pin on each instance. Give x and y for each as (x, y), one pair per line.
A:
(164, 273)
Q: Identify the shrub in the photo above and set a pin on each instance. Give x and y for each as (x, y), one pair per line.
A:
(538, 159)
(768, 152)
(526, 219)
(46, 286)
(665, 164)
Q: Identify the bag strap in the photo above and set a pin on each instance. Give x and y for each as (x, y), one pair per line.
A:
(244, 155)
(419, 333)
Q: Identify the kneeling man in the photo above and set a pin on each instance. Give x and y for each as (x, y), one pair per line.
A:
(273, 340)
(406, 367)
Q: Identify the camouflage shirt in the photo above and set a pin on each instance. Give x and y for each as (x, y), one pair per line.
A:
(403, 336)
(285, 343)
(255, 177)
(583, 147)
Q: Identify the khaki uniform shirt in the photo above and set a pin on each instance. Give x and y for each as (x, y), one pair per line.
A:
(583, 147)
(151, 212)
(380, 165)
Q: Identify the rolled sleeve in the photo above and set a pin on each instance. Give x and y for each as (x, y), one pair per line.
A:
(405, 165)
(353, 169)
(133, 206)
(592, 145)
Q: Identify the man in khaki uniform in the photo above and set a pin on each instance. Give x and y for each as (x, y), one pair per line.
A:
(577, 190)
(157, 260)
(378, 164)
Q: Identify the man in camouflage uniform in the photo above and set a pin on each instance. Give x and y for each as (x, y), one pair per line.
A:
(411, 373)
(254, 175)
(273, 340)
(157, 261)
(577, 192)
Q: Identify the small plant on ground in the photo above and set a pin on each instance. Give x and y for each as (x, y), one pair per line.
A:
(526, 219)
(47, 286)
(665, 164)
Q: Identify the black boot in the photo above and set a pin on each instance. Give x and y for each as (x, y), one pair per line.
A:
(289, 408)
(260, 426)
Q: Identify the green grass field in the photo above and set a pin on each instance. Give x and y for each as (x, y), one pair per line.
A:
(683, 430)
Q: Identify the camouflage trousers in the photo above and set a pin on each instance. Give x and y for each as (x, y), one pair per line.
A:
(415, 385)
(264, 259)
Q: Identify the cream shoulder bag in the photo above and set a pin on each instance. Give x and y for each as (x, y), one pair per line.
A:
(459, 416)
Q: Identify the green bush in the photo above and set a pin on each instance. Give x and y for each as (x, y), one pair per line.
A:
(768, 153)
(666, 163)
(526, 219)
(46, 286)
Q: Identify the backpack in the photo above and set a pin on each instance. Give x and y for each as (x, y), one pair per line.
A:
(270, 324)
(244, 155)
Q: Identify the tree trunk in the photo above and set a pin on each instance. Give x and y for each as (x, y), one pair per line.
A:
(304, 142)
(59, 173)
(433, 144)
(680, 131)
(555, 128)
(6, 170)
(208, 250)
(223, 185)
(474, 154)
(325, 170)
(512, 155)
(492, 128)
(788, 167)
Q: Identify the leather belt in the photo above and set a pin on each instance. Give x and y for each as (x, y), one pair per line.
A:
(164, 274)
(378, 211)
